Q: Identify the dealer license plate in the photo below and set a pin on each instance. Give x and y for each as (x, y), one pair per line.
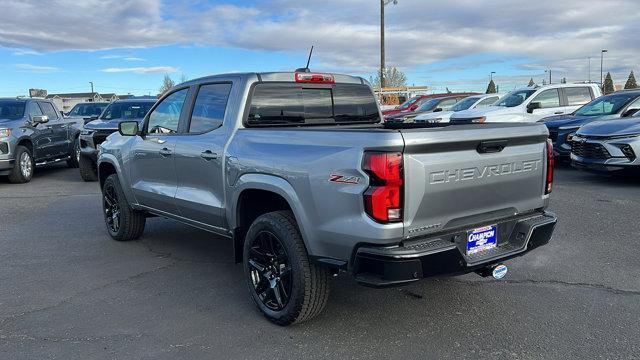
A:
(481, 239)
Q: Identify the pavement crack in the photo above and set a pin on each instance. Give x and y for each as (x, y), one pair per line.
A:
(64, 301)
(555, 282)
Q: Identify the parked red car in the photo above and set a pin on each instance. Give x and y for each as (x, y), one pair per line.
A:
(415, 102)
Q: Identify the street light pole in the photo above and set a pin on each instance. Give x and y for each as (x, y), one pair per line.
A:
(601, 63)
(91, 82)
(493, 72)
(382, 61)
(549, 71)
(589, 68)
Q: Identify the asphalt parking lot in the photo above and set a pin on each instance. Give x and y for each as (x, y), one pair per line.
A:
(69, 292)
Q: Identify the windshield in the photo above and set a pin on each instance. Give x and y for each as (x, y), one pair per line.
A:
(428, 105)
(606, 105)
(126, 110)
(87, 109)
(515, 98)
(464, 104)
(408, 103)
(11, 110)
(290, 104)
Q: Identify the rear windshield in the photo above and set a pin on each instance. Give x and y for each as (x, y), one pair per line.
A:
(126, 110)
(281, 104)
(11, 110)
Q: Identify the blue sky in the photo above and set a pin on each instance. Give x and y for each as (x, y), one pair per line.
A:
(128, 46)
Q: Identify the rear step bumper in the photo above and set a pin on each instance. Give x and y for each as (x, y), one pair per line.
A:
(445, 254)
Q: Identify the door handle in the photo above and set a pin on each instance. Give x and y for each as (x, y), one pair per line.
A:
(559, 112)
(165, 152)
(491, 146)
(208, 155)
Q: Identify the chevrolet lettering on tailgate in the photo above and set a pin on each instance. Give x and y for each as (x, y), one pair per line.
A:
(472, 173)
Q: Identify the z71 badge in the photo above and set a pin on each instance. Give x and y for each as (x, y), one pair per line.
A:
(337, 178)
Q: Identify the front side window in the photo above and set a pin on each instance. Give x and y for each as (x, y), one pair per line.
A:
(291, 104)
(447, 104)
(165, 117)
(11, 110)
(34, 110)
(548, 99)
(49, 110)
(208, 111)
(487, 102)
(577, 95)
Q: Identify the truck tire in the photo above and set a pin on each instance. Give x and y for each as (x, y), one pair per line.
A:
(74, 157)
(284, 284)
(23, 167)
(88, 170)
(123, 222)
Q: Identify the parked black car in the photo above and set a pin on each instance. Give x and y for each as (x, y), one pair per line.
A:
(96, 131)
(87, 111)
(33, 132)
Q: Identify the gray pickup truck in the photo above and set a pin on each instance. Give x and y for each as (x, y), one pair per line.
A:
(300, 172)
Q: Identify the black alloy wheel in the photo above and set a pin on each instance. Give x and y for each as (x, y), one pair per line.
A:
(270, 272)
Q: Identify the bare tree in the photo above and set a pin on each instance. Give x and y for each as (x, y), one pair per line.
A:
(392, 78)
(167, 84)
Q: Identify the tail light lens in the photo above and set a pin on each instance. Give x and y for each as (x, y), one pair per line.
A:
(550, 162)
(315, 78)
(383, 198)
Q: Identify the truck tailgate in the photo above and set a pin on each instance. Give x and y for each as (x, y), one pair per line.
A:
(471, 175)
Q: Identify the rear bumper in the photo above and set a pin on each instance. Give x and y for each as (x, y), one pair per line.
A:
(445, 254)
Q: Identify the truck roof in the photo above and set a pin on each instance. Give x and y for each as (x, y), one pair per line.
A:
(284, 76)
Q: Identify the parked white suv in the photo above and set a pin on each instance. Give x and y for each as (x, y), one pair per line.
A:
(531, 104)
(470, 102)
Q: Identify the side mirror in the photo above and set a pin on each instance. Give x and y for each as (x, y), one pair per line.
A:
(128, 128)
(39, 119)
(413, 107)
(437, 109)
(533, 106)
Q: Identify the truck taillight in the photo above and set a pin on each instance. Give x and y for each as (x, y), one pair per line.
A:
(315, 78)
(550, 162)
(383, 198)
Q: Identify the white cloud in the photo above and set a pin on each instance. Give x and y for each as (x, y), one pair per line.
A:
(37, 68)
(121, 57)
(142, 70)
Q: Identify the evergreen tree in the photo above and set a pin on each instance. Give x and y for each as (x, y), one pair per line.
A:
(491, 88)
(608, 84)
(531, 83)
(631, 82)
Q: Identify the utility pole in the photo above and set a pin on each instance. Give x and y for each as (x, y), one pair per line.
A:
(601, 63)
(383, 3)
(91, 82)
(589, 68)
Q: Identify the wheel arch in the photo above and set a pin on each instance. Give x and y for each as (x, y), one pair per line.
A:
(257, 194)
(107, 166)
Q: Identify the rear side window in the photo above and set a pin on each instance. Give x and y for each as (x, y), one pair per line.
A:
(49, 110)
(577, 95)
(208, 111)
(291, 104)
(548, 99)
